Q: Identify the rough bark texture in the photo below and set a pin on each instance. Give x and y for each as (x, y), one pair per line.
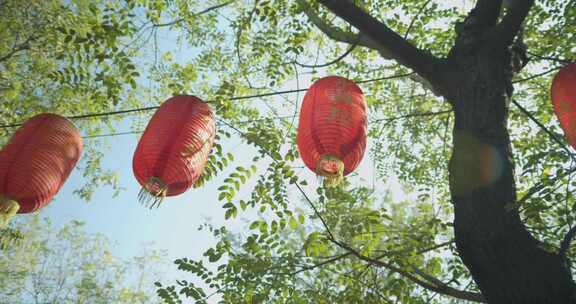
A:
(507, 263)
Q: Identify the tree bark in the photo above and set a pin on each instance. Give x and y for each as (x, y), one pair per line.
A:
(507, 263)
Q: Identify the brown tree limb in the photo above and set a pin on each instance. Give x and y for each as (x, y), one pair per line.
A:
(360, 39)
(430, 285)
(488, 11)
(511, 23)
(565, 244)
(338, 34)
(386, 40)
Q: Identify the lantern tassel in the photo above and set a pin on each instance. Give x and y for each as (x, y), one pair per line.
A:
(153, 193)
(8, 208)
(331, 168)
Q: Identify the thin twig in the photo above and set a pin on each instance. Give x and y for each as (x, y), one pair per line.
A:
(442, 289)
(537, 75)
(308, 200)
(543, 127)
(563, 61)
(536, 188)
(565, 244)
(350, 49)
(329, 261)
(414, 19)
(207, 10)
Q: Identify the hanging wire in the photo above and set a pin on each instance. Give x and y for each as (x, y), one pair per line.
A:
(218, 123)
(144, 109)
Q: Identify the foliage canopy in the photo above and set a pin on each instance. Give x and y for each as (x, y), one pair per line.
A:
(387, 235)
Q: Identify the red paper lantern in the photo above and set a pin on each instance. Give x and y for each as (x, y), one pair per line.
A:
(331, 133)
(174, 148)
(564, 101)
(36, 162)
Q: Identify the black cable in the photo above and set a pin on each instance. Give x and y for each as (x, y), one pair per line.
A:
(142, 131)
(92, 115)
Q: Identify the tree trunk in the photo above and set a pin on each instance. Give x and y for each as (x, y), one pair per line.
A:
(506, 262)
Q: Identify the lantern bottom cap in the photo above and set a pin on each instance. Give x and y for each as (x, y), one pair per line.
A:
(331, 168)
(8, 209)
(153, 192)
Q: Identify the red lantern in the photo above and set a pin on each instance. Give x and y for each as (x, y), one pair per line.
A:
(36, 162)
(564, 101)
(331, 133)
(174, 148)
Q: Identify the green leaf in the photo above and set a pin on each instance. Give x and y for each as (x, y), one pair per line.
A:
(293, 223)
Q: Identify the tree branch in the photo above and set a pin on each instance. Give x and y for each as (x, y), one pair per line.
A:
(360, 39)
(489, 11)
(441, 289)
(350, 49)
(565, 244)
(550, 58)
(416, 17)
(23, 46)
(543, 128)
(386, 40)
(207, 10)
(329, 261)
(538, 187)
(338, 34)
(511, 24)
